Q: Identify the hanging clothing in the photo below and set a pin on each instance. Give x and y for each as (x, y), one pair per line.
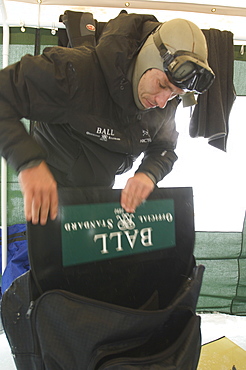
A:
(211, 115)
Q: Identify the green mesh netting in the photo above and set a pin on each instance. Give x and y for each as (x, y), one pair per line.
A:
(224, 282)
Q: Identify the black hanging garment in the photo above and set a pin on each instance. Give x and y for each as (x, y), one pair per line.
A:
(210, 118)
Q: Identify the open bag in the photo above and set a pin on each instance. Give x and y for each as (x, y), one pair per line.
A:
(127, 302)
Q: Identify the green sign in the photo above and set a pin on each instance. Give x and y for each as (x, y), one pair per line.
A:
(96, 232)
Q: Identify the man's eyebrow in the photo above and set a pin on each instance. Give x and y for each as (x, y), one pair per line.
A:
(174, 90)
(165, 86)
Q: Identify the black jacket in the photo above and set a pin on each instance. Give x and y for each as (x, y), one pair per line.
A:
(85, 94)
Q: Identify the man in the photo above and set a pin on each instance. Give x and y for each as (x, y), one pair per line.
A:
(98, 108)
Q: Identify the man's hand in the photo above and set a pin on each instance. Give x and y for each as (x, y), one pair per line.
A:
(39, 189)
(137, 189)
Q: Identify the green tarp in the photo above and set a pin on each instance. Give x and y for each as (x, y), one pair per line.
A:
(224, 281)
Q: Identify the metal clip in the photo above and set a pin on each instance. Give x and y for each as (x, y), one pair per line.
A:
(22, 25)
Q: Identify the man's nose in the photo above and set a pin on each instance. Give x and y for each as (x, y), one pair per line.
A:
(162, 98)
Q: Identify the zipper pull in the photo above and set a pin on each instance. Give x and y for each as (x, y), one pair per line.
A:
(30, 308)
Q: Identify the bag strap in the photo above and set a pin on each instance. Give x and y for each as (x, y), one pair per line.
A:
(16, 237)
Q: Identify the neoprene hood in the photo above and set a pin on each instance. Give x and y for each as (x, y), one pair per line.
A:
(177, 35)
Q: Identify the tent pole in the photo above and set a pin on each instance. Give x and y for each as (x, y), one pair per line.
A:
(3, 161)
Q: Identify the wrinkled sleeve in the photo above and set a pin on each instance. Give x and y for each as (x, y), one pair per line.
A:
(160, 155)
(32, 88)
(16, 145)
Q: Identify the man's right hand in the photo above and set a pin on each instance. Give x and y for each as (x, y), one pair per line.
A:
(39, 189)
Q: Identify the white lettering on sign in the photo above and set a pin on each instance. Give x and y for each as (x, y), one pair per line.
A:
(119, 211)
(125, 221)
(156, 217)
(117, 234)
(94, 224)
(145, 239)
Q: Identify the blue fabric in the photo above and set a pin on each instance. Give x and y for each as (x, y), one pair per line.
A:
(17, 260)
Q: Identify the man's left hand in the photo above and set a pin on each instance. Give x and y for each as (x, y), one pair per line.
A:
(137, 190)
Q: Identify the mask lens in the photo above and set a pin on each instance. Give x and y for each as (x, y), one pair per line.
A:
(190, 76)
(205, 81)
(184, 71)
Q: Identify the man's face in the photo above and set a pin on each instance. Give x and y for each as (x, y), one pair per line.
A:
(154, 89)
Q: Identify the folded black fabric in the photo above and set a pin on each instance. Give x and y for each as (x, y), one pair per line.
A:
(211, 114)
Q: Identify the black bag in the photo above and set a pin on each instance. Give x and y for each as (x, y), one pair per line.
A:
(51, 328)
(65, 331)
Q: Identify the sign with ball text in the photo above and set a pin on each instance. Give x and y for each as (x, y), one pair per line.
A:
(96, 232)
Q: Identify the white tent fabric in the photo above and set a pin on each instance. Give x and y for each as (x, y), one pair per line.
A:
(221, 7)
(45, 13)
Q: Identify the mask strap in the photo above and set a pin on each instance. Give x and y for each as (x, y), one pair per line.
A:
(164, 52)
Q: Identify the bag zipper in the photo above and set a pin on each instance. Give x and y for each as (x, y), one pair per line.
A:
(29, 316)
(30, 309)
